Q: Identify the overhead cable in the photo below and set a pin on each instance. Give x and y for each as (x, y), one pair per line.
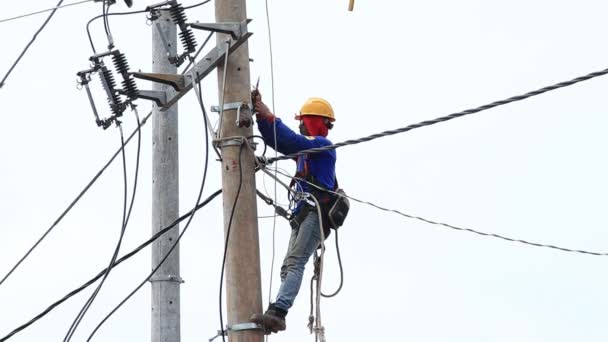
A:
(443, 118)
(118, 262)
(78, 197)
(123, 227)
(274, 132)
(470, 230)
(88, 186)
(125, 221)
(126, 13)
(45, 10)
(30, 43)
(162, 261)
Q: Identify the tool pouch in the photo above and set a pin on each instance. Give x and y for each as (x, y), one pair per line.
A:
(339, 210)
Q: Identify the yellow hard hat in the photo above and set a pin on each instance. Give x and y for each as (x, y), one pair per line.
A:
(317, 106)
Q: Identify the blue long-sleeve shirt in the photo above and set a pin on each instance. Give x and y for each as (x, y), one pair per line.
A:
(321, 166)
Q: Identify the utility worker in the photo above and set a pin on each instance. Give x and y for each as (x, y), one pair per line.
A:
(316, 117)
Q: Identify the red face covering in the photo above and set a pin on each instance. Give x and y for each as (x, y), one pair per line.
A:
(315, 125)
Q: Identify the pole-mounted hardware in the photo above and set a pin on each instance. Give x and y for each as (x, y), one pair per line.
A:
(108, 82)
(237, 327)
(129, 3)
(168, 277)
(243, 118)
(178, 17)
(234, 29)
(184, 83)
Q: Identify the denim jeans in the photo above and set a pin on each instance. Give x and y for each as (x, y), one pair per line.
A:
(302, 244)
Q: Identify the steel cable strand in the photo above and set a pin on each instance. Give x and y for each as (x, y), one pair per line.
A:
(198, 199)
(443, 118)
(102, 272)
(123, 228)
(73, 203)
(536, 244)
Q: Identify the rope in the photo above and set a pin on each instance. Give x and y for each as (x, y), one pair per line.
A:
(443, 118)
(274, 131)
(470, 230)
(319, 329)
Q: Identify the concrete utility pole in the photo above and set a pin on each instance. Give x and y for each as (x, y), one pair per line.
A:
(165, 194)
(243, 280)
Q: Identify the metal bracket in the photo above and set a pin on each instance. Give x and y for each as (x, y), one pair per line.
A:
(208, 63)
(244, 326)
(235, 141)
(237, 327)
(157, 96)
(183, 84)
(178, 82)
(234, 29)
(241, 120)
(169, 278)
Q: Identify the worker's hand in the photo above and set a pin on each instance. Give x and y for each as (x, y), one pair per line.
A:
(260, 108)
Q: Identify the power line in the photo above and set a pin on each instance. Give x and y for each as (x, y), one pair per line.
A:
(78, 197)
(443, 118)
(30, 43)
(118, 262)
(470, 230)
(162, 261)
(45, 10)
(125, 222)
(274, 130)
(126, 13)
(94, 179)
(123, 227)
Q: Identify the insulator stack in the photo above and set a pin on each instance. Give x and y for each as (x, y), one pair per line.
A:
(120, 63)
(130, 88)
(128, 83)
(113, 97)
(178, 16)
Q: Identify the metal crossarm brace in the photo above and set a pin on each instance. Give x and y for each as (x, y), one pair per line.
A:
(214, 58)
(157, 96)
(184, 83)
(178, 82)
(234, 29)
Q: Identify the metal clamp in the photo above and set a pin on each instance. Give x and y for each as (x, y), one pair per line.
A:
(245, 121)
(169, 278)
(244, 326)
(234, 141)
(234, 29)
(231, 141)
(237, 327)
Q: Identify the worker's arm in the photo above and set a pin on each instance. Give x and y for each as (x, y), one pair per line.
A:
(288, 141)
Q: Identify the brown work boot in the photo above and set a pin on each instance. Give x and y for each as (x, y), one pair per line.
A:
(272, 321)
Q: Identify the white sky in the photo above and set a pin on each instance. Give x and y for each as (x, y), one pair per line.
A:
(532, 170)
